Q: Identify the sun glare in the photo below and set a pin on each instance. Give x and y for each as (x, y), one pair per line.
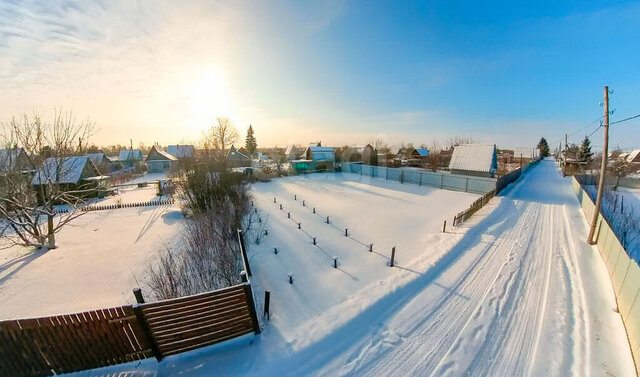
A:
(209, 98)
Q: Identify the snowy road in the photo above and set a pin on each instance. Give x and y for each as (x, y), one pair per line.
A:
(525, 295)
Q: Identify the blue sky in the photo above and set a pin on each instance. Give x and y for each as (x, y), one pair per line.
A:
(345, 72)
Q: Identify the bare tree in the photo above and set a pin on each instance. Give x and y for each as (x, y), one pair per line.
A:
(30, 195)
(222, 134)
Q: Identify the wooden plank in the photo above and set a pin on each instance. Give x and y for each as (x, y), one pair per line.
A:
(201, 330)
(76, 350)
(194, 309)
(208, 343)
(136, 329)
(114, 336)
(197, 319)
(164, 303)
(176, 307)
(83, 335)
(190, 316)
(49, 347)
(104, 348)
(210, 337)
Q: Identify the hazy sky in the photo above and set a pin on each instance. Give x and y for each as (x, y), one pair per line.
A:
(344, 72)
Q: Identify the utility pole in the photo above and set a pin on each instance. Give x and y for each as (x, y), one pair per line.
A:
(603, 167)
(564, 159)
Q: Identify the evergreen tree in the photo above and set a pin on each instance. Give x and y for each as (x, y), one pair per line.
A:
(584, 154)
(543, 146)
(250, 142)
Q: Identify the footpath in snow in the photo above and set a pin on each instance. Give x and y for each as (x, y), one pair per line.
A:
(515, 291)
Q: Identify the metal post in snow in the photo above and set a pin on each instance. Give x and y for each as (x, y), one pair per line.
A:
(393, 256)
(267, 301)
(444, 227)
(335, 262)
(137, 292)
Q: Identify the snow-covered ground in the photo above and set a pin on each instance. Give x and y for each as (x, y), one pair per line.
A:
(101, 257)
(515, 291)
(631, 197)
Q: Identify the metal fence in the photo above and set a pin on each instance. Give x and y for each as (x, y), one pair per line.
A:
(455, 182)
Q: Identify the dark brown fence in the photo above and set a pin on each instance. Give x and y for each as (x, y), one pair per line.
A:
(97, 338)
(103, 207)
(473, 208)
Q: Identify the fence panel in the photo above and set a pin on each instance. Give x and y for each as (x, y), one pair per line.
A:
(71, 342)
(187, 323)
(623, 271)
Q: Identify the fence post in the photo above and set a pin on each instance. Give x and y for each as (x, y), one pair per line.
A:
(444, 227)
(466, 185)
(267, 301)
(248, 292)
(144, 326)
(393, 256)
(441, 180)
(137, 292)
(420, 183)
(244, 252)
(386, 173)
(401, 176)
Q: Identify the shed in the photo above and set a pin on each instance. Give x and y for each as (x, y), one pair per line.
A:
(181, 151)
(634, 157)
(369, 155)
(237, 159)
(474, 159)
(293, 152)
(102, 162)
(71, 173)
(130, 158)
(420, 153)
(323, 158)
(158, 160)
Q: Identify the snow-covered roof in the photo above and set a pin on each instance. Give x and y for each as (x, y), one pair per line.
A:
(528, 152)
(474, 157)
(236, 154)
(634, 156)
(321, 149)
(157, 153)
(97, 158)
(70, 171)
(130, 155)
(181, 151)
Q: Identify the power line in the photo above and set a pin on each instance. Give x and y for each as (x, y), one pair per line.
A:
(625, 119)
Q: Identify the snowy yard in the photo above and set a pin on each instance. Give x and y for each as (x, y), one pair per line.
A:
(101, 257)
(515, 291)
(631, 198)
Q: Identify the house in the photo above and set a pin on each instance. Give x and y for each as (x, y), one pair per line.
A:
(71, 173)
(158, 160)
(102, 162)
(13, 160)
(633, 157)
(322, 158)
(181, 151)
(237, 159)
(369, 155)
(474, 159)
(293, 152)
(130, 158)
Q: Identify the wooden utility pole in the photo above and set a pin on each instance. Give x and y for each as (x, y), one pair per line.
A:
(603, 167)
(564, 160)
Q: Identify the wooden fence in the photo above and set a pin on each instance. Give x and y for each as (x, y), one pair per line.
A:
(97, 338)
(473, 208)
(103, 207)
(501, 184)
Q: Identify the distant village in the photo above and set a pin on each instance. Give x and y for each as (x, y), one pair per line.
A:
(101, 168)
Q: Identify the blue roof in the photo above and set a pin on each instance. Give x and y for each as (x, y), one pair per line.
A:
(422, 152)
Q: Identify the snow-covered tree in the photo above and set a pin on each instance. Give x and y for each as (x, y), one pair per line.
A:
(543, 146)
(585, 154)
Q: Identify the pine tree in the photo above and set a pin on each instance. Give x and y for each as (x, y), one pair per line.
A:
(250, 142)
(584, 154)
(543, 146)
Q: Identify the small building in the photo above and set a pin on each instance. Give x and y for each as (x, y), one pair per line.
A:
(181, 151)
(322, 158)
(369, 155)
(293, 152)
(237, 159)
(102, 162)
(158, 160)
(71, 173)
(474, 159)
(13, 160)
(130, 158)
(633, 157)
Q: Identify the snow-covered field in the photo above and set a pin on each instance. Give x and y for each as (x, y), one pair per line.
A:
(101, 257)
(631, 197)
(515, 291)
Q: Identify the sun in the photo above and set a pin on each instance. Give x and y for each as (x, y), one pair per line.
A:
(208, 98)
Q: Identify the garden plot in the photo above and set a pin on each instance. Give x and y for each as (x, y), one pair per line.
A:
(101, 257)
(385, 214)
